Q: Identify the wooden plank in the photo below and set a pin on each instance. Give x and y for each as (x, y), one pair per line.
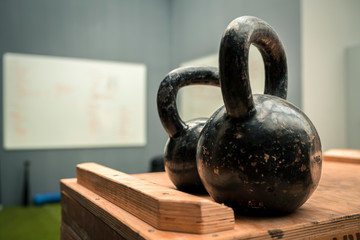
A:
(342, 155)
(124, 223)
(159, 206)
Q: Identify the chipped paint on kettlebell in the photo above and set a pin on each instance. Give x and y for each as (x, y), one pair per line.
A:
(269, 161)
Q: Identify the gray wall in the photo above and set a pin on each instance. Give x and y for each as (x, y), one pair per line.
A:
(159, 33)
(127, 30)
(352, 97)
(197, 27)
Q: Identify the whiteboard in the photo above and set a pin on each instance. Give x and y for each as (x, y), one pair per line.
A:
(57, 102)
(202, 101)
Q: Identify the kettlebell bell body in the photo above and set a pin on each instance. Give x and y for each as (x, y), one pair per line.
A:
(180, 149)
(260, 153)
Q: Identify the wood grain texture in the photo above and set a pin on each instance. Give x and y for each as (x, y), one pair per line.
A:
(67, 233)
(84, 224)
(125, 224)
(333, 212)
(333, 209)
(161, 207)
(345, 235)
(342, 155)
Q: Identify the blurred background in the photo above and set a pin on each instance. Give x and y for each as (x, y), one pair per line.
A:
(321, 40)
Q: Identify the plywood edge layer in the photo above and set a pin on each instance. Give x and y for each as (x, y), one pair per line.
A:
(323, 229)
(342, 155)
(161, 207)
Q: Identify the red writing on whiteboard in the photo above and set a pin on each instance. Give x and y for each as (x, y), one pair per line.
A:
(63, 89)
(94, 122)
(125, 124)
(23, 85)
(17, 120)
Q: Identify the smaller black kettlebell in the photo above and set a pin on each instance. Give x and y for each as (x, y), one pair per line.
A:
(180, 149)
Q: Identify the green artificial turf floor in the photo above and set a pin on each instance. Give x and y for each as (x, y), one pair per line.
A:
(33, 222)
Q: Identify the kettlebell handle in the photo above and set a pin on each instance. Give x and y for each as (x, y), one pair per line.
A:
(234, 67)
(169, 87)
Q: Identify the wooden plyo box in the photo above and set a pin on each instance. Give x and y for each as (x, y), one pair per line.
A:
(102, 203)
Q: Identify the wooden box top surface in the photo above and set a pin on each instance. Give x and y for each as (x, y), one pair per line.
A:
(333, 208)
(337, 198)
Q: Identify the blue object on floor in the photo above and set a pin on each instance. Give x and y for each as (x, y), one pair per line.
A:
(40, 199)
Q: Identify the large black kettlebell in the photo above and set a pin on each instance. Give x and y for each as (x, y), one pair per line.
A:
(258, 153)
(180, 149)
